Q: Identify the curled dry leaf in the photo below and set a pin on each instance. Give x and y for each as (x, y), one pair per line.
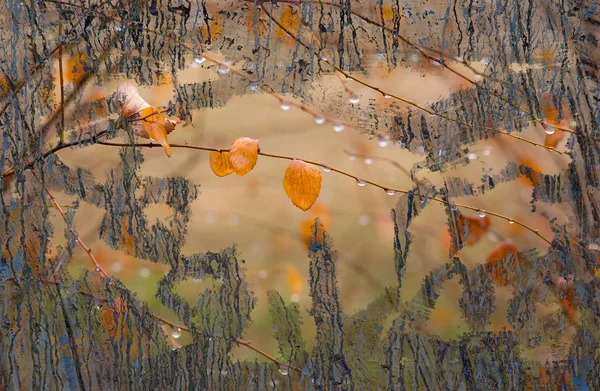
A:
(302, 183)
(220, 164)
(146, 121)
(243, 155)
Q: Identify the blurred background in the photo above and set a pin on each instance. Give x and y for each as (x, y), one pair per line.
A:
(271, 235)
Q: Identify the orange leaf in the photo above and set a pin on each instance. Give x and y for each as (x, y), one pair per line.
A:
(503, 262)
(219, 163)
(553, 139)
(146, 121)
(476, 227)
(76, 67)
(302, 183)
(294, 279)
(243, 155)
(155, 126)
(306, 228)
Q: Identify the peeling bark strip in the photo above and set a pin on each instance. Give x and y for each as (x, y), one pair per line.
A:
(530, 63)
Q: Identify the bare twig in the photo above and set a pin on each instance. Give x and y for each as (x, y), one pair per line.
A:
(75, 234)
(339, 171)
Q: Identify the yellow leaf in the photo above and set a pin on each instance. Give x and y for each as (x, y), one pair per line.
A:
(219, 163)
(302, 183)
(243, 155)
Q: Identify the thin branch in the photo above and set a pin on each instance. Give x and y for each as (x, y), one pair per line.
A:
(438, 60)
(73, 232)
(380, 158)
(380, 90)
(339, 171)
(62, 86)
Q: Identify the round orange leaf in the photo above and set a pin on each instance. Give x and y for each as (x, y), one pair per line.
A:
(243, 155)
(219, 163)
(302, 183)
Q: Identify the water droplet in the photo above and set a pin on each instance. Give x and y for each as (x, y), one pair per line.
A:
(487, 152)
(453, 206)
(327, 169)
(145, 272)
(364, 220)
(254, 86)
(283, 370)
(481, 213)
(319, 120)
(511, 221)
(285, 106)
(353, 99)
(116, 267)
(549, 130)
(223, 70)
(337, 127)
(349, 78)
(478, 77)
(368, 160)
(294, 298)
(199, 60)
(383, 143)
(390, 192)
(233, 220)
(387, 96)
(210, 217)
(97, 269)
(176, 333)
(351, 157)
(472, 156)
(360, 182)
(493, 237)
(324, 56)
(98, 307)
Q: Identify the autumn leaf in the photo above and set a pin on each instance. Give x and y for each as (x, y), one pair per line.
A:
(470, 230)
(219, 163)
(155, 126)
(76, 68)
(302, 183)
(243, 155)
(294, 279)
(146, 121)
(503, 262)
(4, 85)
(321, 212)
(553, 139)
